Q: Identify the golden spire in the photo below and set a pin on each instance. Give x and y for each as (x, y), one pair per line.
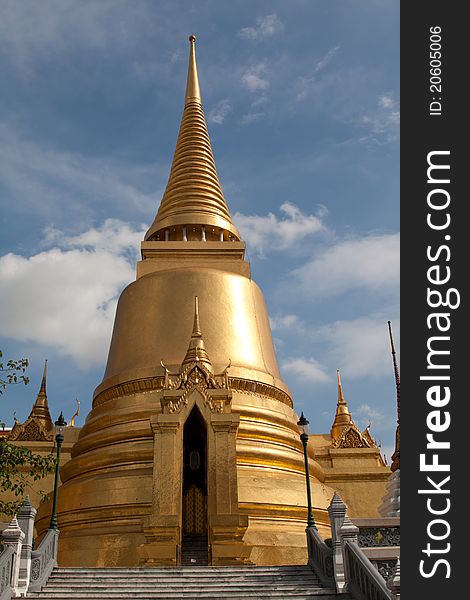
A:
(343, 416)
(40, 408)
(196, 326)
(396, 455)
(193, 206)
(196, 349)
(193, 92)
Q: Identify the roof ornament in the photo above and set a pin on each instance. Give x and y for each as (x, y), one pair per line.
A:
(396, 455)
(75, 414)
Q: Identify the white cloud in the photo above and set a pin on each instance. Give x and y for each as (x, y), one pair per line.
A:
(265, 27)
(219, 112)
(366, 414)
(306, 369)
(53, 30)
(383, 123)
(283, 322)
(325, 59)
(308, 84)
(370, 262)
(66, 298)
(360, 347)
(113, 236)
(268, 232)
(254, 78)
(251, 117)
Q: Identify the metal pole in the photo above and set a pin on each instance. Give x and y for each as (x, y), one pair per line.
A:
(310, 519)
(53, 524)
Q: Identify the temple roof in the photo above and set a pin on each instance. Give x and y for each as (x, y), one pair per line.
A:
(193, 194)
(344, 432)
(38, 426)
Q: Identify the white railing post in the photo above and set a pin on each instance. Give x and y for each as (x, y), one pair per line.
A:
(25, 516)
(337, 512)
(348, 533)
(13, 537)
(394, 583)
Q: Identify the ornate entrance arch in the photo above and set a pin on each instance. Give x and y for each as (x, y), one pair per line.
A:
(195, 388)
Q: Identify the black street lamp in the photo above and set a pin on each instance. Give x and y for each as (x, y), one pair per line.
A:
(60, 426)
(303, 427)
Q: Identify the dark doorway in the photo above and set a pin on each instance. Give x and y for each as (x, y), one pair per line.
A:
(194, 540)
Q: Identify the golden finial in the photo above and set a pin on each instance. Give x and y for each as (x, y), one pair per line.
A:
(341, 400)
(343, 417)
(44, 377)
(40, 408)
(193, 92)
(196, 325)
(75, 414)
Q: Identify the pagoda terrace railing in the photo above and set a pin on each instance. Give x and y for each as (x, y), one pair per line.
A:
(346, 565)
(22, 569)
(320, 557)
(7, 562)
(43, 560)
(364, 581)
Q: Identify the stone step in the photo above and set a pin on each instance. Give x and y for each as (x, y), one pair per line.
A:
(250, 582)
(311, 577)
(322, 594)
(186, 571)
(204, 576)
(186, 586)
(171, 568)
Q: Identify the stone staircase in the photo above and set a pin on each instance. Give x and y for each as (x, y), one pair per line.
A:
(242, 583)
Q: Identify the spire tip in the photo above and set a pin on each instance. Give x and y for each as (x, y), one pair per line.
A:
(192, 38)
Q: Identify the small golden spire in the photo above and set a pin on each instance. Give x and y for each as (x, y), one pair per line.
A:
(40, 408)
(193, 91)
(341, 400)
(343, 416)
(196, 349)
(44, 377)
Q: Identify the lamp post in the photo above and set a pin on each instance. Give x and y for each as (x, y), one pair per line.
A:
(303, 428)
(60, 426)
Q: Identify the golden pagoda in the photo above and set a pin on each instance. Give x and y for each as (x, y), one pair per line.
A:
(192, 431)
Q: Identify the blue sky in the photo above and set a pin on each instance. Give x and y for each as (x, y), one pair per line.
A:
(302, 104)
